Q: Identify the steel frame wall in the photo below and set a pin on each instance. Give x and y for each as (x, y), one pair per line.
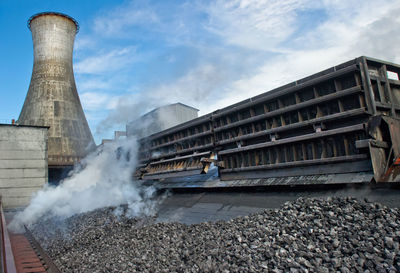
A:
(308, 127)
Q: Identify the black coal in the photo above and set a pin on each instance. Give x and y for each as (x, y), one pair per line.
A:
(308, 235)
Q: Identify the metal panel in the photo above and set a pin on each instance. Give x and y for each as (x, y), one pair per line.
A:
(336, 117)
(177, 173)
(297, 106)
(338, 168)
(324, 179)
(291, 140)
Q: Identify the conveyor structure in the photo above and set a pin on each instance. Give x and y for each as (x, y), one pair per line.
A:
(340, 125)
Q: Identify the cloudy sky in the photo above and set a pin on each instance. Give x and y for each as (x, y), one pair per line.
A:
(131, 56)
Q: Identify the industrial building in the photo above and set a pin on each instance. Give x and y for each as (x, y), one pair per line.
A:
(23, 163)
(161, 118)
(52, 98)
(340, 125)
(51, 134)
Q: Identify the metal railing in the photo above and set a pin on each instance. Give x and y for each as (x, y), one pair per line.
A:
(7, 257)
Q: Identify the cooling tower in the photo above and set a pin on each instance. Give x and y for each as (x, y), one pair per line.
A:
(52, 98)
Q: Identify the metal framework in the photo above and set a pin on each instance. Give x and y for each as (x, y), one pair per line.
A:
(340, 122)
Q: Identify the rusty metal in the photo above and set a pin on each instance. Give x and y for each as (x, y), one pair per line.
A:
(342, 121)
(393, 172)
(385, 147)
(172, 173)
(48, 262)
(214, 161)
(7, 257)
(26, 259)
(178, 166)
(322, 179)
(358, 127)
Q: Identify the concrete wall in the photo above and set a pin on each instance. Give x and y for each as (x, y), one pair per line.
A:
(175, 114)
(160, 119)
(23, 163)
(52, 98)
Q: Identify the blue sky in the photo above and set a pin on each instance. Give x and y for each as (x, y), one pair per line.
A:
(131, 56)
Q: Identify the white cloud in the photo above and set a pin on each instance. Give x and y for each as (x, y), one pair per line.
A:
(83, 42)
(198, 84)
(98, 101)
(107, 62)
(114, 23)
(381, 37)
(92, 84)
(254, 24)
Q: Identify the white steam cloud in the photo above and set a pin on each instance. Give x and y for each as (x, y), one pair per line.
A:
(103, 179)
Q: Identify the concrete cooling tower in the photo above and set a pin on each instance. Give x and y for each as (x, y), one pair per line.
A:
(52, 98)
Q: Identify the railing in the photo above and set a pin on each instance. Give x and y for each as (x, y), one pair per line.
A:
(7, 257)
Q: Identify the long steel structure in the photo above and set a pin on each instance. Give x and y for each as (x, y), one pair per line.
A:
(337, 126)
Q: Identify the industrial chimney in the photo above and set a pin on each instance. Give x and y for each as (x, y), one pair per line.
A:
(52, 98)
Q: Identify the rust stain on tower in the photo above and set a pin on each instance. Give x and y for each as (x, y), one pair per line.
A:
(52, 98)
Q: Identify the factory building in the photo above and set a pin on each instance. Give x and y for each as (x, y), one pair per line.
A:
(52, 98)
(161, 118)
(52, 134)
(23, 163)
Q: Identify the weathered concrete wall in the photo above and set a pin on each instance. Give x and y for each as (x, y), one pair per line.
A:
(175, 114)
(23, 163)
(52, 98)
(161, 118)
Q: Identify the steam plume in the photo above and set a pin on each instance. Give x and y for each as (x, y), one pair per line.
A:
(103, 179)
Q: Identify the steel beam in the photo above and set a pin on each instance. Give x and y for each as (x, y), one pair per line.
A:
(294, 107)
(279, 92)
(337, 116)
(357, 127)
(321, 169)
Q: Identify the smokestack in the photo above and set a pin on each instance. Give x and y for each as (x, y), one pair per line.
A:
(52, 98)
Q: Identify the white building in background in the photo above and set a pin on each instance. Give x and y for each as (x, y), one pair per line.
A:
(161, 118)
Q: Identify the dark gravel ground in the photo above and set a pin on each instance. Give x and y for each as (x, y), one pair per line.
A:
(306, 235)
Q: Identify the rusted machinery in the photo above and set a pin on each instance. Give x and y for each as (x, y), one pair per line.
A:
(340, 125)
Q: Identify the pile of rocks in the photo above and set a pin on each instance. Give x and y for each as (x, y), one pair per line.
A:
(308, 235)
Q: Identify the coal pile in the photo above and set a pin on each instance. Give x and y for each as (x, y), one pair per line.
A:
(308, 235)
